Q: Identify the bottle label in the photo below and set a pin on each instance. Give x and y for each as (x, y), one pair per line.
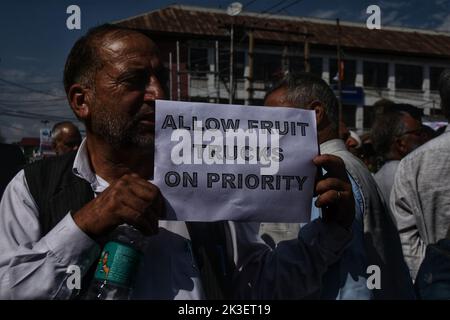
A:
(118, 263)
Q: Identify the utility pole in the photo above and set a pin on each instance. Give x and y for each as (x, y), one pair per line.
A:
(339, 70)
(170, 77)
(217, 73)
(251, 48)
(306, 54)
(233, 10)
(178, 72)
(231, 63)
(285, 59)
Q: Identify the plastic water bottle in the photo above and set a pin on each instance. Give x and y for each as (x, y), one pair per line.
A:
(118, 264)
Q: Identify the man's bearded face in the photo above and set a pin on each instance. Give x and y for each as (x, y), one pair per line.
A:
(122, 110)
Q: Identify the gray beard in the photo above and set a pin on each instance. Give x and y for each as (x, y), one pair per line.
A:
(120, 132)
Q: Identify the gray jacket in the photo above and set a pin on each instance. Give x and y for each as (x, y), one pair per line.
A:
(385, 178)
(420, 198)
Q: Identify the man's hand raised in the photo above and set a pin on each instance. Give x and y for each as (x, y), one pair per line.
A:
(334, 191)
(130, 199)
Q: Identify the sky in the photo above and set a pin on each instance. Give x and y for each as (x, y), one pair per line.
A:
(35, 43)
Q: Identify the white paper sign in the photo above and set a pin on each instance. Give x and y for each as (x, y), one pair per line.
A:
(227, 162)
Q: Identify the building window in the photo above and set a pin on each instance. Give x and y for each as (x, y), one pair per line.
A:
(297, 64)
(375, 74)
(198, 62)
(316, 66)
(257, 102)
(224, 64)
(349, 72)
(267, 67)
(199, 99)
(349, 115)
(239, 64)
(435, 73)
(408, 77)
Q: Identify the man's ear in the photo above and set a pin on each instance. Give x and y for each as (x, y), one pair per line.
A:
(401, 146)
(321, 115)
(79, 100)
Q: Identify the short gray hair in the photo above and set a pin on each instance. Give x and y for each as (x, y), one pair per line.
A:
(385, 129)
(303, 88)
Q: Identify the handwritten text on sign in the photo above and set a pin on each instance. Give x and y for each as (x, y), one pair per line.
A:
(226, 162)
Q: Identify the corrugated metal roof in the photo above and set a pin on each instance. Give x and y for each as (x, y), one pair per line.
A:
(212, 23)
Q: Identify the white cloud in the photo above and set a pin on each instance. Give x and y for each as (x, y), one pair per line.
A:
(13, 130)
(13, 74)
(426, 25)
(439, 16)
(439, 21)
(21, 101)
(442, 2)
(19, 75)
(324, 14)
(393, 18)
(394, 13)
(39, 82)
(393, 5)
(445, 24)
(389, 18)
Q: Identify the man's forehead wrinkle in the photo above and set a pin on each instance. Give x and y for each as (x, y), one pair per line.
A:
(128, 42)
(121, 51)
(128, 60)
(120, 54)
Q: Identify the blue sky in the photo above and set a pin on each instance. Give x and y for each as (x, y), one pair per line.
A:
(35, 42)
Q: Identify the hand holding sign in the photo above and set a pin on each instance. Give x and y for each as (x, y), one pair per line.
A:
(130, 200)
(334, 191)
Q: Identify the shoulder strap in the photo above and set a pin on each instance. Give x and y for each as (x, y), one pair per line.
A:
(212, 248)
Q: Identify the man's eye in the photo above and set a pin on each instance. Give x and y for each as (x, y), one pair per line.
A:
(136, 81)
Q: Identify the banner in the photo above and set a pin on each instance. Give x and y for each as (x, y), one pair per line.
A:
(227, 162)
(45, 143)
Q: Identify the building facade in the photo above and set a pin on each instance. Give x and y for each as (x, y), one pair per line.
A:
(399, 64)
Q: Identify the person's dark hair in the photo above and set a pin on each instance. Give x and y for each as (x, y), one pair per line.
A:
(385, 129)
(413, 111)
(383, 103)
(303, 88)
(444, 92)
(428, 132)
(84, 60)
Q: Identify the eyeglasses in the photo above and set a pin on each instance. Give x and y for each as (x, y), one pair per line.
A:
(417, 132)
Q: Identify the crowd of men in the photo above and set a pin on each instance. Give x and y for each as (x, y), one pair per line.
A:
(58, 212)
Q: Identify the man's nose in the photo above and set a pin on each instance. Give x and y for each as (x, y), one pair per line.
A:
(154, 90)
